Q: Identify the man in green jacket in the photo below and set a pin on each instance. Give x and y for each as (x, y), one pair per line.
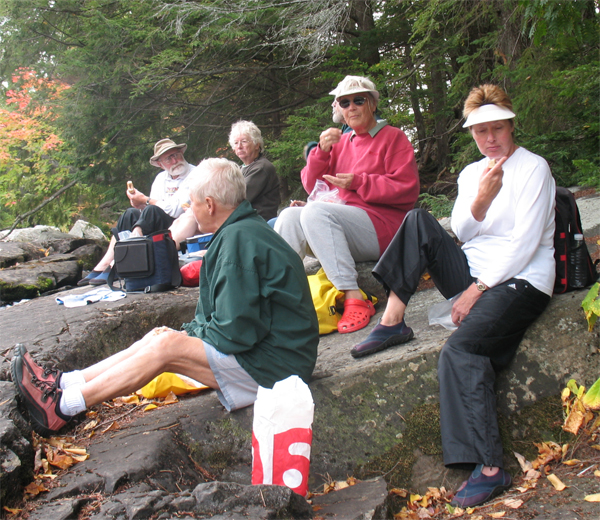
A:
(255, 323)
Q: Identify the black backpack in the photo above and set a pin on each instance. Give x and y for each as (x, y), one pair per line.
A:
(574, 266)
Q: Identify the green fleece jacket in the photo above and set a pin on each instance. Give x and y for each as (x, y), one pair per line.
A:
(255, 302)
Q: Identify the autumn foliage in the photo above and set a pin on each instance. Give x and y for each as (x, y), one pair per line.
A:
(34, 160)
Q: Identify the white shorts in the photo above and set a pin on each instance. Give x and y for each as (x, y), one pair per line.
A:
(237, 389)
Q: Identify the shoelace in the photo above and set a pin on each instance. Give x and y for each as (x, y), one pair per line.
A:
(49, 371)
(46, 387)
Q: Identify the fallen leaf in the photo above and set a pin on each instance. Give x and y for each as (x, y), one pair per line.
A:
(498, 514)
(113, 426)
(399, 492)
(34, 488)
(593, 498)
(12, 511)
(527, 485)
(513, 503)
(80, 458)
(549, 452)
(433, 494)
(61, 461)
(92, 424)
(597, 473)
(525, 464)
(150, 407)
(571, 462)
(76, 451)
(574, 421)
(171, 398)
(556, 482)
(128, 399)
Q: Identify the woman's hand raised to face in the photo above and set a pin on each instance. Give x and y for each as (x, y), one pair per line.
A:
(328, 138)
(490, 184)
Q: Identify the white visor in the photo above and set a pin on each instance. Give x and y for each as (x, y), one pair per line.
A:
(487, 113)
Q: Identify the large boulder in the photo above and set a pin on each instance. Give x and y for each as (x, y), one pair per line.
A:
(12, 253)
(84, 229)
(41, 259)
(16, 451)
(36, 277)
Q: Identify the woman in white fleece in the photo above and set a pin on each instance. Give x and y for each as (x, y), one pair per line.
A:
(504, 215)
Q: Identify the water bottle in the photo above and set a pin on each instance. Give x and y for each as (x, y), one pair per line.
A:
(578, 275)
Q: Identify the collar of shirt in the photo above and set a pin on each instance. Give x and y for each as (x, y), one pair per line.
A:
(373, 132)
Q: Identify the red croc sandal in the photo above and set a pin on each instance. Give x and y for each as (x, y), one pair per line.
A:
(357, 314)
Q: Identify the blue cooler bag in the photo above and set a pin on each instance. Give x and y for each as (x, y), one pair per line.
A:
(146, 264)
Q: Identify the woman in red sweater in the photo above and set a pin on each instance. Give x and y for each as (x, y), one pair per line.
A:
(375, 170)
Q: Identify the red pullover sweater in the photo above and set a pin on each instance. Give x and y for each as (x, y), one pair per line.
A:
(386, 180)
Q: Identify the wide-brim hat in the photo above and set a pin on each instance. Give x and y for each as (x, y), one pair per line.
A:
(355, 85)
(163, 146)
(488, 113)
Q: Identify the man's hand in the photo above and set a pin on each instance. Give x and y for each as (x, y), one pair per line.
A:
(328, 138)
(341, 180)
(462, 306)
(297, 203)
(137, 199)
(490, 184)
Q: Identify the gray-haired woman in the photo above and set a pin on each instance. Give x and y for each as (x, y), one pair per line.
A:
(262, 184)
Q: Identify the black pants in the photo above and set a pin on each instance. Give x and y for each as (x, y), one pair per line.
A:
(485, 342)
(151, 219)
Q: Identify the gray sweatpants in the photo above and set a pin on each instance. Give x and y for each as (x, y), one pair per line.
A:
(338, 235)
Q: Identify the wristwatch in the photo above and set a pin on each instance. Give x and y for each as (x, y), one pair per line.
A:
(481, 286)
(148, 201)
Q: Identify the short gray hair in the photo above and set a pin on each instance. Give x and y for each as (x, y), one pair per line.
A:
(247, 128)
(220, 179)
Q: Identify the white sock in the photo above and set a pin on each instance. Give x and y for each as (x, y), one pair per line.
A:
(68, 379)
(72, 401)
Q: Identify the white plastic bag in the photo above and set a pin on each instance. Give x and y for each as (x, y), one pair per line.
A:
(441, 313)
(282, 435)
(323, 193)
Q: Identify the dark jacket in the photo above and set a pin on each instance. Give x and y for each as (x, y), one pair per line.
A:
(255, 301)
(262, 187)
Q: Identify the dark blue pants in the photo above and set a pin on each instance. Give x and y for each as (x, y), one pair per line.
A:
(485, 342)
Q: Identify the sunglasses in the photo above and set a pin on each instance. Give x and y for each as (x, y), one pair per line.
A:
(359, 101)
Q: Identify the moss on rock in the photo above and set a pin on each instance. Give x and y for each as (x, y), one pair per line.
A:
(422, 432)
(15, 293)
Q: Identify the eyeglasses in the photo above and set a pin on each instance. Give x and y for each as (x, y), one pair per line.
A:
(359, 101)
(170, 158)
(243, 142)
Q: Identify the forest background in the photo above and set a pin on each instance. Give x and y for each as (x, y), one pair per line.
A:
(88, 86)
